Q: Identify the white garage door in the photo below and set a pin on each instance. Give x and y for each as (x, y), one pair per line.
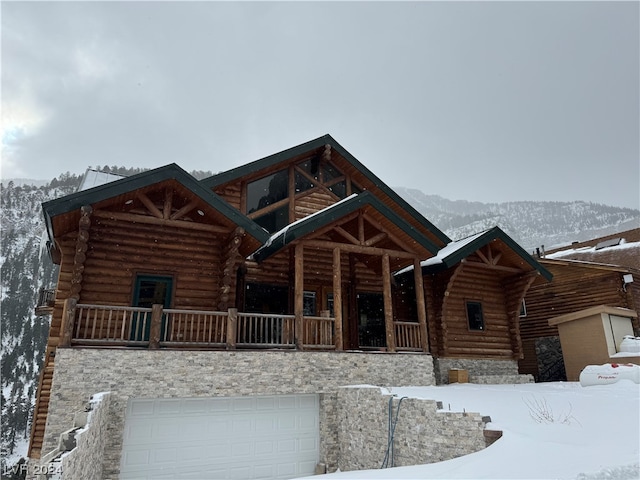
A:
(222, 437)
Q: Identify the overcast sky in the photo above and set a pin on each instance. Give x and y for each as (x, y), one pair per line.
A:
(476, 101)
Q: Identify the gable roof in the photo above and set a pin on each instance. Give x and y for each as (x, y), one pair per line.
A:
(291, 153)
(75, 201)
(330, 214)
(456, 251)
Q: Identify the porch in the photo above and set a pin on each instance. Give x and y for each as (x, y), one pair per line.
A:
(158, 327)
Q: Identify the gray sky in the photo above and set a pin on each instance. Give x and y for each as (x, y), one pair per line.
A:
(476, 101)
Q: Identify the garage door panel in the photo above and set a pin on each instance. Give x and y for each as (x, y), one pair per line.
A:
(221, 437)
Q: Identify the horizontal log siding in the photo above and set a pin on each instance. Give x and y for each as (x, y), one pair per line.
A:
(495, 341)
(312, 203)
(120, 250)
(231, 193)
(572, 289)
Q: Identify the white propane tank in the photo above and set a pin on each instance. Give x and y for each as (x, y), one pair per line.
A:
(609, 373)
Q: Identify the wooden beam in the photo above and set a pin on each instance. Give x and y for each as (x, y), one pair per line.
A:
(168, 203)
(150, 206)
(501, 268)
(420, 304)
(359, 249)
(68, 319)
(375, 239)
(299, 294)
(130, 217)
(361, 228)
(388, 305)
(347, 235)
(155, 328)
(337, 297)
(183, 211)
(394, 238)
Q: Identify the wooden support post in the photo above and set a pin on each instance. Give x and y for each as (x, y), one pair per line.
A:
(420, 304)
(337, 298)
(232, 325)
(388, 305)
(298, 304)
(156, 326)
(68, 321)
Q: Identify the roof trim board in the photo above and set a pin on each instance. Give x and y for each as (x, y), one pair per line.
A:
(457, 251)
(285, 155)
(311, 223)
(172, 171)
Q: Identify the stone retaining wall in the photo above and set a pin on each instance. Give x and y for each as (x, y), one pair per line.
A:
(480, 370)
(86, 459)
(422, 434)
(131, 373)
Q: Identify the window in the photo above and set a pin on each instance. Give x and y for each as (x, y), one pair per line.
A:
(309, 304)
(263, 298)
(474, 316)
(274, 220)
(267, 190)
(523, 309)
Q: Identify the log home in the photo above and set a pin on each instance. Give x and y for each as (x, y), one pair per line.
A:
(286, 278)
(603, 271)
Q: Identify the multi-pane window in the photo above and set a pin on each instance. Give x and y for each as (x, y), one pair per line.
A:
(267, 190)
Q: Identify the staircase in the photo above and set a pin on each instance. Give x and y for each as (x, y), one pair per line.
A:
(41, 407)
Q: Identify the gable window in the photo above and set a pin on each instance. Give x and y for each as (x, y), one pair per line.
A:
(523, 309)
(475, 318)
(275, 220)
(267, 190)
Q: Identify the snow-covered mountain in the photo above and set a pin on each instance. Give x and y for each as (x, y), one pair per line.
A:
(531, 224)
(25, 267)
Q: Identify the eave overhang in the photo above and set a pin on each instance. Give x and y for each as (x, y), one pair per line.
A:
(455, 252)
(308, 147)
(321, 219)
(73, 202)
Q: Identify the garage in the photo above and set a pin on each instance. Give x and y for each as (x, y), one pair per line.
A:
(250, 437)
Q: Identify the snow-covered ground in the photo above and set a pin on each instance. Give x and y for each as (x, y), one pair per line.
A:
(591, 433)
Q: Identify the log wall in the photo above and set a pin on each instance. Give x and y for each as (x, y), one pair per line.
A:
(449, 335)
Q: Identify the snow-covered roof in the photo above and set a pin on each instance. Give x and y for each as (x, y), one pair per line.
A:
(93, 178)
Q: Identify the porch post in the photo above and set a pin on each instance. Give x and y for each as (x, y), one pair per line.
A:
(232, 321)
(422, 310)
(156, 326)
(337, 297)
(388, 305)
(298, 304)
(68, 319)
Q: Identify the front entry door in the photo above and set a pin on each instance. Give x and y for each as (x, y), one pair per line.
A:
(371, 328)
(149, 290)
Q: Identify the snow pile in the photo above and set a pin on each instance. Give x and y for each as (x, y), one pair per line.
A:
(630, 344)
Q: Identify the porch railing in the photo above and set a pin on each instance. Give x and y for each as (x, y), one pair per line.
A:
(86, 324)
(408, 336)
(46, 301)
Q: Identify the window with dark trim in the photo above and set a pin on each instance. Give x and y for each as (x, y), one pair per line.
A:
(267, 190)
(523, 309)
(475, 318)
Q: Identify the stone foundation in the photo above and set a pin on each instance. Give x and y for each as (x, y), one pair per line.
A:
(131, 373)
(483, 371)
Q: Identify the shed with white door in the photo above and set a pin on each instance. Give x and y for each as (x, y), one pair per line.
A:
(592, 336)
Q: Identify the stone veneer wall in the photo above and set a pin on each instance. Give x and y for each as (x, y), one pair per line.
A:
(422, 434)
(132, 373)
(85, 460)
(480, 370)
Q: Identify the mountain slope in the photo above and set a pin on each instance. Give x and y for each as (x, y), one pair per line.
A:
(529, 223)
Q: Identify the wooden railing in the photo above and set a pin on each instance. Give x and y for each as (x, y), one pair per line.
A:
(46, 301)
(85, 324)
(100, 324)
(187, 327)
(261, 330)
(408, 336)
(319, 332)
